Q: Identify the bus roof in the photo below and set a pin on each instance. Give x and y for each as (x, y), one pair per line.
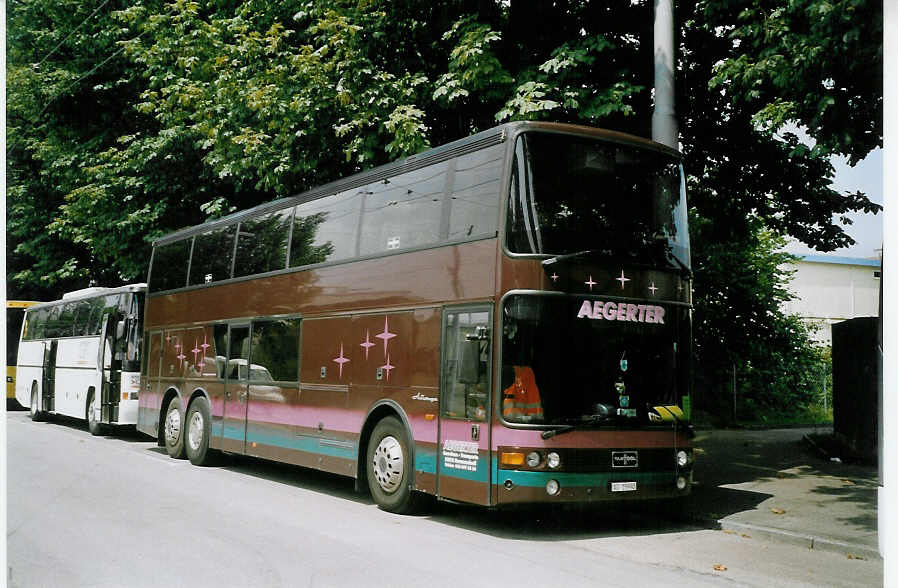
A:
(88, 293)
(475, 142)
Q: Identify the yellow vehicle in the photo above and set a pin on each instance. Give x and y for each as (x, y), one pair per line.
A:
(15, 313)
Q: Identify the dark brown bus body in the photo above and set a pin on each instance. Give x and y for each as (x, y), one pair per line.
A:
(384, 335)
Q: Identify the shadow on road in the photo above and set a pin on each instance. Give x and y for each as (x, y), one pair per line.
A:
(297, 476)
(126, 433)
(735, 472)
(781, 460)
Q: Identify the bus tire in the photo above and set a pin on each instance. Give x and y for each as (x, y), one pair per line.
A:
(198, 432)
(173, 429)
(34, 409)
(93, 425)
(389, 467)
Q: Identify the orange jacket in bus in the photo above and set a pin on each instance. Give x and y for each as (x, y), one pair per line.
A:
(521, 401)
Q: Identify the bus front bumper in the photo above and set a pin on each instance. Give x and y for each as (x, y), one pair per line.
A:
(518, 487)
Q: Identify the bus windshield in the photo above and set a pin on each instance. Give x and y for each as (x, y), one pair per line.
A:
(587, 370)
(574, 194)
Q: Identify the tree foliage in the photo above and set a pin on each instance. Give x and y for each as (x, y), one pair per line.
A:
(127, 120)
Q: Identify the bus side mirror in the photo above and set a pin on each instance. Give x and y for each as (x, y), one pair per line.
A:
(120, 329)
(469, 371)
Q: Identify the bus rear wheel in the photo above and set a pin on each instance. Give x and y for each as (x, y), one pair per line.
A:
(93, 425)
(34, 408)
(389, 468)
(199, 429)
(173, 429)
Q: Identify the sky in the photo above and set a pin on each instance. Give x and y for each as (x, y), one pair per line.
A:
(866, 229)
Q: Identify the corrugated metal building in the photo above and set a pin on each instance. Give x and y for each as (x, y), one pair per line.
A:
(831, 289)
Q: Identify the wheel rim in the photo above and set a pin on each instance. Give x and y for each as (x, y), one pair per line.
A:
(388, 464)
(91, 419)
(172, 426)
(196, 431)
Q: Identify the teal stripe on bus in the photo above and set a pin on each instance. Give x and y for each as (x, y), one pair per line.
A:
(425, 461)
(539, 479)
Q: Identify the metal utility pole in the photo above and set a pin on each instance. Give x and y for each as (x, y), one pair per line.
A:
(664, 120)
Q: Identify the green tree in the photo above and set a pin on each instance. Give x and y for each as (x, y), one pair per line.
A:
(817, 63)
(129, 120)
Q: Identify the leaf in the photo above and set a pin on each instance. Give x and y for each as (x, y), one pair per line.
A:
(719, 568)
(777, 511)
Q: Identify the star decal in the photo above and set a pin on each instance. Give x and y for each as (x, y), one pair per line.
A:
(622, 279)
(590, 283)
(196, 349)
(653, 288)
(341, 360)
(387, 368)
(204, 346)
(181, 357)
(367, 343)
(386, 335)
(554, 277)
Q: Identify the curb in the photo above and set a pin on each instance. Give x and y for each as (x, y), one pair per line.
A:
(809, 541)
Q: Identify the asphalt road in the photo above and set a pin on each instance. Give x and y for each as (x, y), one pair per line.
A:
(117, 511)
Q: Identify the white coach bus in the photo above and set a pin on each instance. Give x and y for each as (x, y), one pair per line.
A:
(80, 356)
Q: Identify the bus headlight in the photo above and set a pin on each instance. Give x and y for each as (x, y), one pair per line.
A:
(553, 460)
(682, 458)
(533, 459)
(553, 487)
(681, 483)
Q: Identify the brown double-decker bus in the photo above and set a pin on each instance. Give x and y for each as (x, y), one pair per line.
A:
(503, 319)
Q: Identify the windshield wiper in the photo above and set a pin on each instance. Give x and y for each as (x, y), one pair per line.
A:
(686, 270)
(592, 420)
(568, 256)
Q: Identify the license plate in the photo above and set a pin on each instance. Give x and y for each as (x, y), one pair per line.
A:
(623, 486)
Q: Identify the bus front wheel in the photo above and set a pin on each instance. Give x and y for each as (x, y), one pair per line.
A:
(199, 428)
(174, 429)
(389, 467)
(35, 408)
(93, 425)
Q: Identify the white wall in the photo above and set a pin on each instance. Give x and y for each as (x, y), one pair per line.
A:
(832, 291)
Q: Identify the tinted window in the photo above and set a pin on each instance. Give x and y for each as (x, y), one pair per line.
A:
(220, 337)
(262, 244)
(475, 194)
(95, 318)
(81, 324)
(35, 321)
(169, 269)
(67, 319)
(212, 253)
(52, 326)
(466, 365)
(403, 211)
(325, 229)
(238, 354)
(572, 195)
(101, 307)
(275, 351)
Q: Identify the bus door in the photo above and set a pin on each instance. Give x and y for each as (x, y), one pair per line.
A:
(48, 384)
(236, 390)
(110, 370)
(153, 371)
(463, 462)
